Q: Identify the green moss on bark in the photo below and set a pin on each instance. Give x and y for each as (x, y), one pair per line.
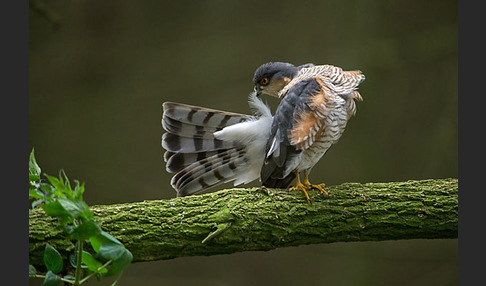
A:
(236, 220)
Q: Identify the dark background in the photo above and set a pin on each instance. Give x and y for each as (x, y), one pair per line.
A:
(99, 72)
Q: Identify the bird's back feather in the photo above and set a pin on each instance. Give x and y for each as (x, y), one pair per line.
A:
(312, 115)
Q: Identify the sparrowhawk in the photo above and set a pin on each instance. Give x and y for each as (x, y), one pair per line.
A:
(207, 147)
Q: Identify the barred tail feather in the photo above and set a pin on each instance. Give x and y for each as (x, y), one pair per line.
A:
(197, 158)
(177, 144)
(188, 130)
(168, 155)
(204, 166)
(178, 161)
(207, 147)
(221, 174)
(209, 172)
(202, 116)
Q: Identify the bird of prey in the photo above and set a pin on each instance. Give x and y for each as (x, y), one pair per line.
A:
(316, 104)
(207, 147)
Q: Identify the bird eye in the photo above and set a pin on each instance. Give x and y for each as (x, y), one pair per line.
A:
(264, 81)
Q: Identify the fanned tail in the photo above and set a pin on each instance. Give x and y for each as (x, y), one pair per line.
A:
(197, 158)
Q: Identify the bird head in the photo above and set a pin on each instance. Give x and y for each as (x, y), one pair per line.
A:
(270, 78)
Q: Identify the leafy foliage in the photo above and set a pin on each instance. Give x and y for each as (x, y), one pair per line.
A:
(59, 199)
(51, 279)
(52, 259)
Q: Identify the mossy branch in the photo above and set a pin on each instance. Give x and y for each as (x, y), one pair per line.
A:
(236, 220)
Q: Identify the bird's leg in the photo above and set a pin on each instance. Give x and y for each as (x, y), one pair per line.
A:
(309, 186)
(306, 180)
(299, 186)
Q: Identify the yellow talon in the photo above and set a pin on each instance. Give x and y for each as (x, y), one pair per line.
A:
(300, 187)
(320, 187)
(306, 186)
(309, 186)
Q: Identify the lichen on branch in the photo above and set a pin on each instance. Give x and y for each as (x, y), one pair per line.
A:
(257, 219)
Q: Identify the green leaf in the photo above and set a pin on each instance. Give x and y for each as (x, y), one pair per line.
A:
(33, 178)
(47, 188)
(118, 253)
(86, 230)
(67, 186)
(120, 263)
(92, 263)
(69, 228)
(51, 279)
(73, 258)
(32, 270)
(55, 209)
(108, 237)
(78, 190)
(54, 181)
(52, 259)
(101, 238)
(111, 250)
(73, 261)
(58, 184)
(76, 208)
(34, 168)
(35, 194)
(96, 242)
(109, 247)
(36, 203)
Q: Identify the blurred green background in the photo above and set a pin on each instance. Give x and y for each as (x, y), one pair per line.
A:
(98, 78)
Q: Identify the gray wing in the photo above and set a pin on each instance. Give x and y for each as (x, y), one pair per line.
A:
(280, 153)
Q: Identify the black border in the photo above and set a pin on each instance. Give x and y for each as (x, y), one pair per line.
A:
(14, 118)
(471, 94)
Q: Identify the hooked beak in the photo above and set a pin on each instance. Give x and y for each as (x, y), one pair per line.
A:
(257, 90)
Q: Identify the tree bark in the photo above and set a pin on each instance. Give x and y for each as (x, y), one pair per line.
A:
(236, 220)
